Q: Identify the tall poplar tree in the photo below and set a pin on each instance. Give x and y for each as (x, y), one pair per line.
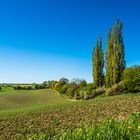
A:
(121, 63)
(98, 63)
(115, 55)
(108, 60)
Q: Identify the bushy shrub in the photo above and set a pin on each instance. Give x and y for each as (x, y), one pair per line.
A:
(63, 89)
(99, 91)
(29, 87)
(72, 89)
(131, 79)
(89, 91)
(94, 93)
(116, 89)
(59, 85)
(82, 84)
(52, 84)
(18, 88)
(90, 87)
(77, 96)
(37, 86)
(23, 87)
(81, 93)
(88, 95)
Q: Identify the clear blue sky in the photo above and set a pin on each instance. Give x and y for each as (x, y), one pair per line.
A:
(50, 39)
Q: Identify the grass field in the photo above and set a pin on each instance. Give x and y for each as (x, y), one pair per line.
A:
(20, 99)
(38, 112)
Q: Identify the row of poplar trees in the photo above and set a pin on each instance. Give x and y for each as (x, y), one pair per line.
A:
(108, 68)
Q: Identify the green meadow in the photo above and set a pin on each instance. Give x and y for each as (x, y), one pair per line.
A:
(20, 99)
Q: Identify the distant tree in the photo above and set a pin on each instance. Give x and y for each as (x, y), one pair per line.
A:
(63, 89)
(45, 84)
(98, 63)
(72, 88)
(82, 84)
(29, 87)
(51, 84)
(37, 86)
(76, 80)
(61, 86)
(64, 80)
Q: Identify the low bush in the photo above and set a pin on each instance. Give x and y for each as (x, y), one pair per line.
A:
(89, 94)
(63, 89)
(29, 88)
(77, 96)
(116, 89)
(72, 89)
(23, 87)
(99, 91)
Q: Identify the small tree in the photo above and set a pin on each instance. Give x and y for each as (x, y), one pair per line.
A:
(64, 80)
(82, 84)
(37, 86)
(72, 88)
(131, 78)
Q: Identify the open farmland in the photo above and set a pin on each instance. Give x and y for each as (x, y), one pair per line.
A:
(44, 111)
(20, 99)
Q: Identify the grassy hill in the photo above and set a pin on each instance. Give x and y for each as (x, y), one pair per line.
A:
(27, 113)
(19, 99)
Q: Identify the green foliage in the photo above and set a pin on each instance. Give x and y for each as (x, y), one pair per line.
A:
(115, 55)
(37, 86)
(89, 91)
(65, 80)
(93, 92)
(98, 64)
(62, 86)
(45, 84)
(131, 78)
(63, 89)
(116, 89)
(72, 89)
(99, 91)
(107, 129)
(82, 84)
(90, 87)
(19, 87)
(52, 84)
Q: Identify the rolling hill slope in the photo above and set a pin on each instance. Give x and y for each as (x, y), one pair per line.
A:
(28, 98)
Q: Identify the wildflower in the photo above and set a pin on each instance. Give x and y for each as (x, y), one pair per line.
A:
(129, 127)
(139, 127)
